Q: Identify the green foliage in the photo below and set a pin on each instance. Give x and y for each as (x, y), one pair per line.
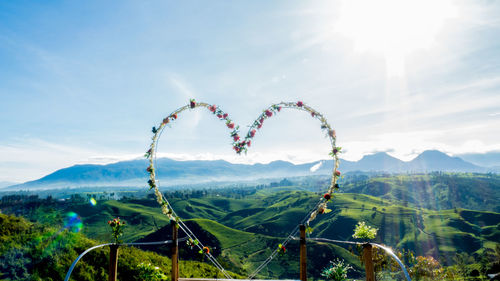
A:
(34, 252)
(246, 225)
(14, 264)
(116, 229)
(427, 268)
(337, 271)
(363, 231)
(148, 272)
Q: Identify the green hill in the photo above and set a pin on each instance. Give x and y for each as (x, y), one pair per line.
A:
(435, 191)
(244, 228)
(31, 251)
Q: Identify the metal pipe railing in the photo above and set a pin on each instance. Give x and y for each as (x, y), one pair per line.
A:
(70, 270)
(385, 248)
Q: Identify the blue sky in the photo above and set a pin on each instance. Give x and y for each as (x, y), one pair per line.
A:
(84, 82)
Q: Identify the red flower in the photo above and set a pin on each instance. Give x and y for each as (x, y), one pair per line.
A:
(249, 143)
(321, 210)
(174, 116)
(212, 108)
(327, 196)
(300, 104)
(279, 108)
(313, 114)
(259, 126)
(337, 173)
(236, 137)
(206, 250)
(261, 120)
(165, 121)
(219, 115)
(269, 113)
(230, 125)
(252, 133)
(192, 103)
(224, 115)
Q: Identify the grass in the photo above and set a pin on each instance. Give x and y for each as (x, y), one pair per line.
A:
(249, 229)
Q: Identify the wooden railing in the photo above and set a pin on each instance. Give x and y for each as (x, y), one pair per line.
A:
(113, 257)
(367, 258)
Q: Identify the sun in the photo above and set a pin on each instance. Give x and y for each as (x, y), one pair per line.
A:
(393, 28)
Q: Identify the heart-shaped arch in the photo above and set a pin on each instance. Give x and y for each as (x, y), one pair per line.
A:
(241, 145)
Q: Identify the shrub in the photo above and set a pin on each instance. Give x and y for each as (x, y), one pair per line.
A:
(148, 272)
(363, 231)
(337, 271)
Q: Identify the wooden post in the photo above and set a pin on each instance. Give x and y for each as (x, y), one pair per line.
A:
(303, 253)
(113, 262)
(175, 253)
(367, 259)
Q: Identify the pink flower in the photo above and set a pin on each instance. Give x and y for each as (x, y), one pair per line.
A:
(224, 115)
(337, 173)
(236, 137)
(230, 125)
(219, 115)
(252, 133)
(300, 104)
(212, 108)
(249, 143)
(269, 113)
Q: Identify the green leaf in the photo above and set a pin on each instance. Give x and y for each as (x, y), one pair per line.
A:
(309, 229)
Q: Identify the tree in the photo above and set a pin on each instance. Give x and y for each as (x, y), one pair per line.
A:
(14, 265)
(427, 268)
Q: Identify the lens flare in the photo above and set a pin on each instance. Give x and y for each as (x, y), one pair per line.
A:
(93, 202)
(73, 222)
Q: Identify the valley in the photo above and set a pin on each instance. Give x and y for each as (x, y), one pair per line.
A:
(243, 226)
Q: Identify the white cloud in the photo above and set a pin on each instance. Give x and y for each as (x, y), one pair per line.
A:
(315, 167)
(34, 158)
(407, 145)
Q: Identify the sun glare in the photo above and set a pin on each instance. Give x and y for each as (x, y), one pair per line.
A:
(393, 28)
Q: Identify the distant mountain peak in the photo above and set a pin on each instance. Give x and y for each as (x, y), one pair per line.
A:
(435, 160)
(133, 172)
(378, 155)
(433, 153)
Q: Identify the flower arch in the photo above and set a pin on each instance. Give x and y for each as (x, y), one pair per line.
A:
(241, 143)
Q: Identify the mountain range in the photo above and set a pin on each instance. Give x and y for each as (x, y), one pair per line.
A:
(133, 173)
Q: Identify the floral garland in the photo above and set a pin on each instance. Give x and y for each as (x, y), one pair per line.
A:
(241, 145)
